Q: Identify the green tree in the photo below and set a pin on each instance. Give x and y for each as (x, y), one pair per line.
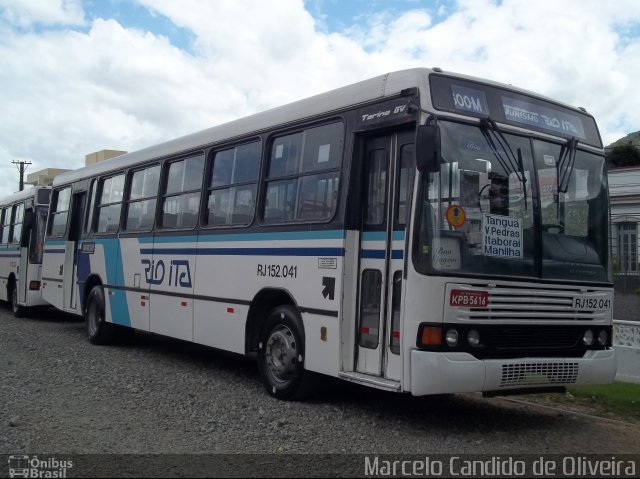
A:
(624, 155)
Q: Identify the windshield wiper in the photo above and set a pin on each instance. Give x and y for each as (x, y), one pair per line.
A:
(523, 178)
(512, 163)
(565, 164)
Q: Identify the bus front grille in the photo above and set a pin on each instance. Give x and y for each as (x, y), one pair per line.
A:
(530, 304)
(539, 374)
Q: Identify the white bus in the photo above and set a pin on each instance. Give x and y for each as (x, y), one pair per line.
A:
(420, 232)
(23, 217)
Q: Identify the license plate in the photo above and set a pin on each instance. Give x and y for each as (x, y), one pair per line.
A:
(469, 299)
(591, 304)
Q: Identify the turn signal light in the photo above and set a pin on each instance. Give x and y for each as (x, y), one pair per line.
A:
(431, 336)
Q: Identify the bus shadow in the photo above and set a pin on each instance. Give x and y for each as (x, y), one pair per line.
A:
(463, 413)
(45, 314)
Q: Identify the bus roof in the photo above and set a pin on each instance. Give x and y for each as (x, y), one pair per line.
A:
(29, 192)
(379, 87)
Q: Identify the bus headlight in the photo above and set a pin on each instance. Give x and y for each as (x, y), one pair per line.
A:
(603, 337)
(473, 338)
(451, 337)
(587, 338)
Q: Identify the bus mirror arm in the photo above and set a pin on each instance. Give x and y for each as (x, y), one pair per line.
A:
(428, 148)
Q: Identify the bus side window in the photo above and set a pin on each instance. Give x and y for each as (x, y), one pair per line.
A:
(405, 184)
(233, 184)
(181, 200)
(304, 188)
(110, 204)
(16, 230)
(5, 228)
(142, 200)
(28, 223)
(92, 201)
(60, 212)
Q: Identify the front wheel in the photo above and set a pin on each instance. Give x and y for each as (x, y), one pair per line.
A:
(281, 355)
(98, 330)
(18, 311)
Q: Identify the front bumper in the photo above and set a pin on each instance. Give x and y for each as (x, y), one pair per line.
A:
(442, 373)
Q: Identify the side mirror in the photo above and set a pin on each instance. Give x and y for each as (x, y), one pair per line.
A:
(428, 155)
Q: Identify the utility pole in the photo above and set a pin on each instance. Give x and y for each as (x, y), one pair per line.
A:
(22, 166)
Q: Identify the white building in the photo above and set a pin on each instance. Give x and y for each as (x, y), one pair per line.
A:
(624, 190)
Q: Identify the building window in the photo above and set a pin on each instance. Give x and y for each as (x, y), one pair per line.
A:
(628, 247)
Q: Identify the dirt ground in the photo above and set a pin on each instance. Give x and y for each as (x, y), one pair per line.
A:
(626, 307)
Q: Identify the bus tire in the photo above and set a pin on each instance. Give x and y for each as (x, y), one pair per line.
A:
(281, 355)
(98, 330)
(18, 311)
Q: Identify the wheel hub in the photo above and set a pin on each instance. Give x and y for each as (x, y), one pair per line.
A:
(281, 353)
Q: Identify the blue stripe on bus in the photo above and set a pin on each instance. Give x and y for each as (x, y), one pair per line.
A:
(54, 250)
(274, 236)
(372, 253)
(54, 243)
(380, 254)
(398, 235)
(11, 255)
(246, 251)
(115, 276)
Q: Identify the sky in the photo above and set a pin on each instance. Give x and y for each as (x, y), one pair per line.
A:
(78, 76)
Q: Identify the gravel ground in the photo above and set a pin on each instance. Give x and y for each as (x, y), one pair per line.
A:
(153, 395)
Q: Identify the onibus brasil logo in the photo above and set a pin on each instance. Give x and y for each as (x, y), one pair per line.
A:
(26, 466)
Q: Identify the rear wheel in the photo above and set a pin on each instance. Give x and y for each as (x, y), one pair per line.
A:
(281, 355)
(98, 330)
(18, 311)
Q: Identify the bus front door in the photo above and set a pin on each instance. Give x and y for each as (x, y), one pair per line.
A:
(388, 177)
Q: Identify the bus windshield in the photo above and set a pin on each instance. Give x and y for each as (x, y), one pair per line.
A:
(509, 205)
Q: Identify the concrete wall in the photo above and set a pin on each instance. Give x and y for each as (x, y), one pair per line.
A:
(626, 342)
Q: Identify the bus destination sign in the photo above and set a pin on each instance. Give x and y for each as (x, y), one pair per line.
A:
(469, 99)
(547, 118)
(474, 98)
